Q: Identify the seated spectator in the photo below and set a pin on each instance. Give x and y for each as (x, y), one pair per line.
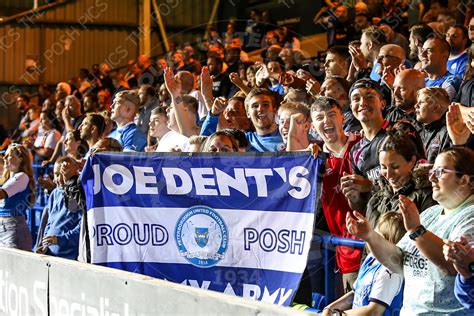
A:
(430, 109)
(124, 109)
(118, 80)
(61, 234)
(429, 284)
(17, 194)
(72, 114)
(377, 290)
(434, 59)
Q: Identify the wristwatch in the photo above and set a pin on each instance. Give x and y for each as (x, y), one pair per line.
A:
(420, 230)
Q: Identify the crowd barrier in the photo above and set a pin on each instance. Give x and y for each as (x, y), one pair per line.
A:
(32, 284)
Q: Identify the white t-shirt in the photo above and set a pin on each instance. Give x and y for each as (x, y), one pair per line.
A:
(17, 183)
(428, 290)
(202, 109)
(172, 140)
(47, 139)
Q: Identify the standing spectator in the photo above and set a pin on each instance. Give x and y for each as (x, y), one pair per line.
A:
(430, 109)
(221, 85)
(434, 59)
(149, 74)
(458, 38)
(46, 141)
(148, 101)
(92, 130)
(124, 109)
(367, 104)
(72, 113)
(405, 87)
(429, 278)
(168, 139)
(61, 234)
(328, 118)
(377, 290)
(17, 194)
(337, 61)
(261, 107)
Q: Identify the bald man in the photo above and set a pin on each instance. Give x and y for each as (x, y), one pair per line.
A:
(390, 55)
(434, 58)
(406, 84)
(188, 87)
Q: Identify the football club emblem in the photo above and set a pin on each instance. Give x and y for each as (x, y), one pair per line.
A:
(201, 236)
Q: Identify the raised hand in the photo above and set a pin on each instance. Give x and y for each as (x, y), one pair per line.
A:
(358, 59)
(411, 215)
(235, 79)
(219, 105)
(458, 131)
(388, 76)
(313, 87)
(173, 85)
(460, 254)
(358, 225)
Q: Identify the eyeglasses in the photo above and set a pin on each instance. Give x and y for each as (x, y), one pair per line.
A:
(438, 172)
(471, 27)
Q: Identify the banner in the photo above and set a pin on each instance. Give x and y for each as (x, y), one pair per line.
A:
(239, 224)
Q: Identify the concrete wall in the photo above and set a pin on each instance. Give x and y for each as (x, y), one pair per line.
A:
(32, 284)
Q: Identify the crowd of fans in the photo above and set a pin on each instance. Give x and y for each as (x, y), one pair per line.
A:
(389, 110)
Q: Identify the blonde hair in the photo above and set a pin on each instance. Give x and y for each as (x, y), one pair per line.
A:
(390, 226)
(26, 166)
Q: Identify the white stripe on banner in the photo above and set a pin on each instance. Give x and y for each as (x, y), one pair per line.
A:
(256, 239)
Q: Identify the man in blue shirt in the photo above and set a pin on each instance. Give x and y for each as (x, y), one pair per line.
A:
(434, 57)
(261, 107)
(123, 111)
(457, 37)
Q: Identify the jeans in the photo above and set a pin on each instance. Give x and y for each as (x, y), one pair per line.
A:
(14, 233)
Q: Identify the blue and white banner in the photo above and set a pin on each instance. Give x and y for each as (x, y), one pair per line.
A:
(238, 224)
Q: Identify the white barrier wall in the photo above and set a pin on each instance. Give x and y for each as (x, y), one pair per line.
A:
(32, 284)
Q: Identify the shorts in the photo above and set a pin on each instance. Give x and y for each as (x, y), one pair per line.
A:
(14, 233)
